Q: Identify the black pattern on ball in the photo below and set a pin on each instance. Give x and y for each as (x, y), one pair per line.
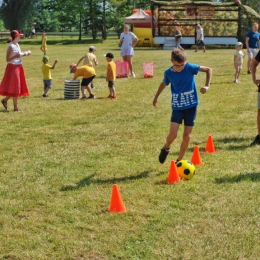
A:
(186, 171)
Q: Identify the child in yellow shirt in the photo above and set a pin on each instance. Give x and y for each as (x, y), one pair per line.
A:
(47, 80)
(111, 75)
(44, 44)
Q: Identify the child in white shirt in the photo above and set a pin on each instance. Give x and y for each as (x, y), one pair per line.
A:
(238, 60)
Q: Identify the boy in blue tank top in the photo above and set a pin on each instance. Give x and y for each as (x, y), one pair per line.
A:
(184, 99)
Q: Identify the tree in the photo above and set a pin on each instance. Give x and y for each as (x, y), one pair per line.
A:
(69, 12)
(117, 12)
(46, 19)
(15, 13)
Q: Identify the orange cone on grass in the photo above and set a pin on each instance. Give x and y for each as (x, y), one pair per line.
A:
(173, 174)
(210, 145)
(116, 204)
(195, 159)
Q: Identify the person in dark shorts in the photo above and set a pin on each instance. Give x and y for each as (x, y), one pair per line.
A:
(111, 75)
(254, 65)
(184, 99)
(200, 38)
(88, 73)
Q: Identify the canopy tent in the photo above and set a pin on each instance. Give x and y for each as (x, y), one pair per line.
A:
(139, 17)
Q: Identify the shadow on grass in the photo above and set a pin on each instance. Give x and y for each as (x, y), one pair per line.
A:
(241, 177)
(89, 180)
(236, 141)
(55, 42)
(235, 144)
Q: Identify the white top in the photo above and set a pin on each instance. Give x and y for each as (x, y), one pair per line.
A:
(239, 55)
(15, 49)
(128, 39)
(200, 34)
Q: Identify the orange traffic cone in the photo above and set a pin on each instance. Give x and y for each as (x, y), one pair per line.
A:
(116, 204)
(173, 174)
(195, 159)
(210, 146)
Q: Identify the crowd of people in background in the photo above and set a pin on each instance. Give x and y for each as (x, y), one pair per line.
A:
(13, 84)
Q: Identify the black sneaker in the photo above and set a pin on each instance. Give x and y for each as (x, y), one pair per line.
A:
(92, 86)
(91, 96)
(256, 141)
(163, 155)
(248, 72)
(45, 95)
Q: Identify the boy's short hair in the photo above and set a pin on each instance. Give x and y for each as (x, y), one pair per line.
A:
(92, 48)
(178, 55)
(109, 55)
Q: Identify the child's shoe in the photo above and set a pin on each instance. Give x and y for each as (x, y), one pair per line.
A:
(45, 95)
(256, 141)
(163, 155)
(113, 97)
(84, 98)
(91, 96)
(92, 86)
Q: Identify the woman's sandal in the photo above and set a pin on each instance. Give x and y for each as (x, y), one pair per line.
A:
(4, 104)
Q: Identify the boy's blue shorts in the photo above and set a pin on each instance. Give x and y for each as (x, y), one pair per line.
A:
(110, 84)
(47, 83)
(186, 115)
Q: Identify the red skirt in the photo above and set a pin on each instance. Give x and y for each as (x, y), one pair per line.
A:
(13, 83)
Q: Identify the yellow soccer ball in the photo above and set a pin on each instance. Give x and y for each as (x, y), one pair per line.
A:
(186, 169)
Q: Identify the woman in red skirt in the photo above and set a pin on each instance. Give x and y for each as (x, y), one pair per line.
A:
(13, 84)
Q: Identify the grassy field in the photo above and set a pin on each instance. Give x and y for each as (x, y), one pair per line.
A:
(60, 159)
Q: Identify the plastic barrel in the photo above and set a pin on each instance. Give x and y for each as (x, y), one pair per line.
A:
(71, 89)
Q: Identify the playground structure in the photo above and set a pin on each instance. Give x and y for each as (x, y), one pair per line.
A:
(223, 23)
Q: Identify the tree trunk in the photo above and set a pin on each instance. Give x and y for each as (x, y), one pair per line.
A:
(104, 24)
(14, 14)
(80, 26)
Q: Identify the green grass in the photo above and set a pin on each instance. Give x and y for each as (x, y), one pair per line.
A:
(60, 159)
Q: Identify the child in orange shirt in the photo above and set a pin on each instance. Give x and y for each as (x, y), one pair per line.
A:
(111, 75)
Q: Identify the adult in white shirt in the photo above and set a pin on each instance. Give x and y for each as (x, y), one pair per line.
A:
(199, 38)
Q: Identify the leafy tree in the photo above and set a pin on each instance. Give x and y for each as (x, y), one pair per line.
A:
(15, 13)
(46, 19)
(117, 12)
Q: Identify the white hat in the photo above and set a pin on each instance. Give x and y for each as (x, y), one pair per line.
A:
(239, 43)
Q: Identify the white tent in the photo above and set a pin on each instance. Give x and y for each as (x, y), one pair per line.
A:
(139, 17)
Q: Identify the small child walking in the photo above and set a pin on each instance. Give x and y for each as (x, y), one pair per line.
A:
(238, 60)
(44, 43)
(47, 80)
(111, 75)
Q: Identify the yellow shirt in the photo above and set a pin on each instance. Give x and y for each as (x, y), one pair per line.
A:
(44, 45)
(85, 71)
(46, 71)
(111, 71)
